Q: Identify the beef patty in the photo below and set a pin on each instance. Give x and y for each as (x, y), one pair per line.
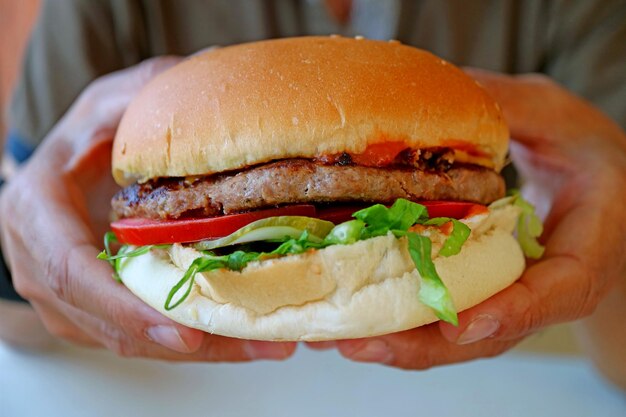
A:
(302, 181)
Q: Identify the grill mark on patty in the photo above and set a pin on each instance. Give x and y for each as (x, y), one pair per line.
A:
(303, 181)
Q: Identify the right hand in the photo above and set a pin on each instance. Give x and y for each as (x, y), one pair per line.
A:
(573, 161)
(53, 213)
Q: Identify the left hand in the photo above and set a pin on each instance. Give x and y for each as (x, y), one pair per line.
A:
(573, 161)
(53, 212)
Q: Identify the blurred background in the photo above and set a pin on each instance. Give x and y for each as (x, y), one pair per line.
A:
(17, 19)
(545, 375)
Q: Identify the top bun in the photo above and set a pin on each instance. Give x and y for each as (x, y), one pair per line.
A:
(302, 97)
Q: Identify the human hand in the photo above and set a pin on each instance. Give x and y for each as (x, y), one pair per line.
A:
(53, 213)
(573, 161)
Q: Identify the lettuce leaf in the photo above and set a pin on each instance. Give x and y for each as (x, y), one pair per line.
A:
(380, 219)
(529, 226)
(433, 291)
(235, 261)
(123, 252)
(458, 236)
(306, 234)
(272, 228)
(345, 233)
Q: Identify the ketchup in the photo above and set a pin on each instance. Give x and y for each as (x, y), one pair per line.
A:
(379, 154)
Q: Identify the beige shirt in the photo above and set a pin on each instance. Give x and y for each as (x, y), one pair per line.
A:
(580, 43)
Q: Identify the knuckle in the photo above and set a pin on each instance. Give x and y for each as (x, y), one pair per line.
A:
(150, 67)
(129, 323)
(55, 267)
(537, 78)
(590, 295)
(59, 329)
(91, 99)
(497, 349)
(99, 86)
(122, 346)
(413, 359)
(530, 317)
(5, 208)
(26, 288)
(10, 199)
(419, 363)
(85, 101)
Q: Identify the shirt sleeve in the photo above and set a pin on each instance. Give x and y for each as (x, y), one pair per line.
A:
(587, 52)
(73, 42)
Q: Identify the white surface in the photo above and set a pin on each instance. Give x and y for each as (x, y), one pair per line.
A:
(78, 382)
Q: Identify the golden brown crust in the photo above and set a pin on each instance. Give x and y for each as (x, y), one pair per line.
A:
(301, 97)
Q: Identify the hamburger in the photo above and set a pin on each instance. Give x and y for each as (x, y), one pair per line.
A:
(314, 188)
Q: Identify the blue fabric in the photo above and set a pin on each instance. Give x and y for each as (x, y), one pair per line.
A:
(18, 146)
(7, 291)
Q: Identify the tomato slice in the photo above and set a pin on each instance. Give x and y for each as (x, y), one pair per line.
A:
(151, 232)
(339, 214)
(453, 209)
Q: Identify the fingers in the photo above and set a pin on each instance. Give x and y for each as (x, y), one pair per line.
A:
(219, 348)
(87, 285)
(118, 320)
(573, 160)
(47, 231)
(565, 285)
(160, 341)
(74, 282)
(420, 348)
(85, 330)
(213, 349)
(322, 345)
(106, 314)
(58, 325)
(94, 117)
(550, 292)
(203, 51)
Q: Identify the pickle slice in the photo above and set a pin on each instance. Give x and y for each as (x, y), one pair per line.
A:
(272, 228)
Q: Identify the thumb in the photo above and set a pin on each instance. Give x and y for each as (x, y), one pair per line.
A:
(557, 290)
(94, 118)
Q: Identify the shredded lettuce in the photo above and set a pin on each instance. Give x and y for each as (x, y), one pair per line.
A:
(458, 236)
(295, 235)
(235, 261)
(433, 291)
(123, 252)
(529, 228)
(271, 228)
(345, 233)
(380, 220)
(109, 238)
(397, 219)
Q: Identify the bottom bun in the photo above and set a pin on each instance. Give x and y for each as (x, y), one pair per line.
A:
(343, 291)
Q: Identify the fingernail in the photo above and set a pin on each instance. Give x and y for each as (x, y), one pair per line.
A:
(483, 326)
(255, 349)
(373, 351)
(167, 336)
